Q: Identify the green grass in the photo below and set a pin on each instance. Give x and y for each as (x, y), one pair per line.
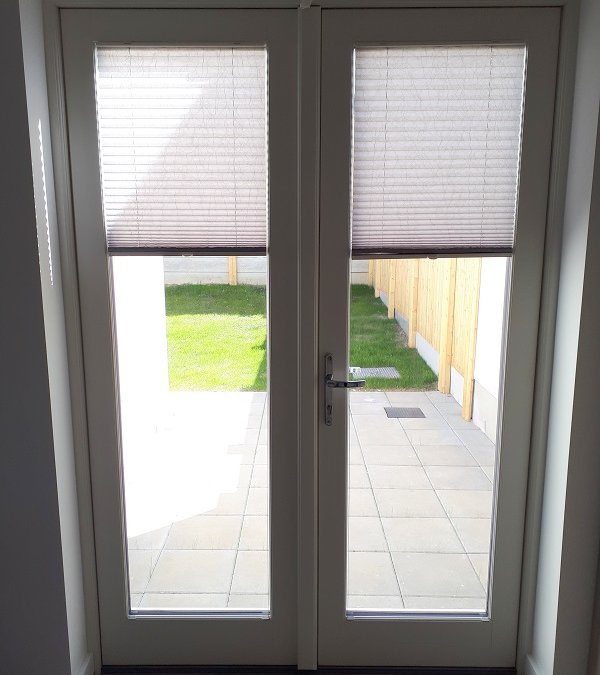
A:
(216, 337)
(377, 341)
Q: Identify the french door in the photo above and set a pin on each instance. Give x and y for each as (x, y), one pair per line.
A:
(434, 159)
(435, 147)
(193, 480)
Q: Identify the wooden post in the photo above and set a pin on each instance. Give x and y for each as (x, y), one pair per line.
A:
(447, 326)
(378, 264)
(392, 289)
(413, 300)
(370, 275)
(472, 312)
(232, 270)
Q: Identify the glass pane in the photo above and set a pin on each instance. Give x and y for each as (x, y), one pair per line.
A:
(183, 145)
(436, 152)
(191, 343)
(427, 335)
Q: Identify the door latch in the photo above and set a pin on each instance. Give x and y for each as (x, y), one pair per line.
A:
(330, 384)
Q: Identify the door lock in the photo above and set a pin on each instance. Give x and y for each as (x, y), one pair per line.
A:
(330, 384)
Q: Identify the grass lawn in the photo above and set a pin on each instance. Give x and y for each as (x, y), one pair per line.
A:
(377, 341)
(216, 337)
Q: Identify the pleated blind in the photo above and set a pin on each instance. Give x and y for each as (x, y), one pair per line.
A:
(436, 149)
(183, 146)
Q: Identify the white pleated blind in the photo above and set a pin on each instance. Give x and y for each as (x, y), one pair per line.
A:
(183, 145)
(436, 149)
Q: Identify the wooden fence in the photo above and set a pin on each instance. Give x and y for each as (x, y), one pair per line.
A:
(439, 299)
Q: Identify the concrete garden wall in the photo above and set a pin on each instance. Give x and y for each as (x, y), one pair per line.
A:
(250, 270)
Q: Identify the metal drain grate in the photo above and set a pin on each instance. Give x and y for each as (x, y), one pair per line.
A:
(386, 371)
(404, 412)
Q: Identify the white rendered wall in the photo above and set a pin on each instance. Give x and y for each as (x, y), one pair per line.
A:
(139, 302)
(488, 350)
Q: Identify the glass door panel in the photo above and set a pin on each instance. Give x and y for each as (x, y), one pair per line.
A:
(434, 139)
(181, 168)
(192, 369)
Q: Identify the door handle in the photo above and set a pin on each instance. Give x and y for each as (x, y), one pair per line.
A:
(330, 384)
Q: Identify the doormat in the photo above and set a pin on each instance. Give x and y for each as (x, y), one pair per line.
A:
(385, 371)
(404, 413)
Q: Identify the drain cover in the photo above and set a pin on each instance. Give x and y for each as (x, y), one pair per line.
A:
(404, 412)
(386, 371)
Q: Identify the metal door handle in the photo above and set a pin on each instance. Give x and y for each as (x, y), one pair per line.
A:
(330, 384)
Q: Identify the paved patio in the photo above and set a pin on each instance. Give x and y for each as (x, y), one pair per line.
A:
(420, 504)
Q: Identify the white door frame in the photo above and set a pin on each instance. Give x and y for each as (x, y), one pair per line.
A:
(310, 21)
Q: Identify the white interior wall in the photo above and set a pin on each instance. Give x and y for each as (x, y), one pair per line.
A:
(54, 325)
(568, 552)
(37, 579)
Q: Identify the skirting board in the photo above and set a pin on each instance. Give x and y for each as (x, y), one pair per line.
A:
(283, 670)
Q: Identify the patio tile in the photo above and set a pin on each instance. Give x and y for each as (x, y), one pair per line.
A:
(417, 423)
(490, 472)
(149, 540)
(441, 455)
(368, 409)
(367, 397)
(355, 455)
(365, 534)
(231, 503)
(192, 572)
(254, 421)
(436, 574)
(480, 562)
(466, 503)
(427, 535)
(205, 532)
(251, 437)
(441, 603)
(184, 601)
(255, 533)
(141, 565)
(263, 436)
(262, 455)
(408, 399)
(474, 437)
(371, 573)
(458, 422)
(251, 574)
(260, 476)
(484, 455)
(408, 503)
(375, 602)
(246, 452)
(361, 502)
(258, 502)
(248, 601)
(376, 430)
(474, 533)
(352, 437)
(433, 437)
(358, 477)
(395, 455)
(410, 477)
(135, 600)
(458, 478)
(244, 475)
